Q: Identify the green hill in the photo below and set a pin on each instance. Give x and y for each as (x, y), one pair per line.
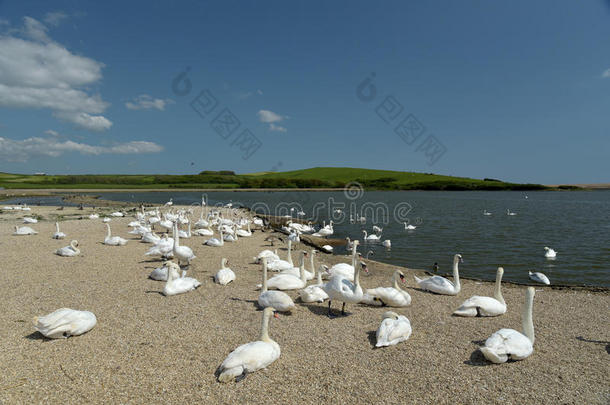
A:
(317, 177)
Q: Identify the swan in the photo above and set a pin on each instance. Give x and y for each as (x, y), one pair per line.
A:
(215, 241)
(225, 275)
(370, 237)
(507, 343)
(327, 230)
(276, 299)
(387, 243)
(163, 248)
(485, 212)
(315, 292)
(250, 357)
(327, 248)
(151, 237)
(409, 227)
(230, 236)
(69, 251)
(549, 253)
(341, 289)
(343, 269)
(185, 234)
(204, 232)
(160, 273)
(271, 256)
(28, 220)
(181, 253)
(117, 214)
(508, 212)
(485, 306)
(94, 216)
(24, 230)
(392, 296)
(65, 322)
(377, 229)
(170, 202)
(113, 240)
(243, 232)
(178, 285)
(539, 277)
(58, 234)
(296, 271)
(440, 285)
(279, 265)
(394, 329)
(284, 281)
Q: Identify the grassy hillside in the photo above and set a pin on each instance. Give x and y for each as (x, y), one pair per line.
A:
(318, 177)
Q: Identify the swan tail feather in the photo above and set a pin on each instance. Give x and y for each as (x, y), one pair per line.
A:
(417, 279)
(231, 374)
(492, 356)
(461, 311)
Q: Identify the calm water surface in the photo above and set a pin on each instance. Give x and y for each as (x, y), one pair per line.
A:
(575, 224)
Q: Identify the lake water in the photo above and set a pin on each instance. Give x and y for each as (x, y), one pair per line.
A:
(575, 224)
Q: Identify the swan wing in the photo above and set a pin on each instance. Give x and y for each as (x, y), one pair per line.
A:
(224, 276)
(65, 322)
(507, 342)
(393, 331)
(276, 299)
(483, 306)
(437, 284)
(390, 296)
(248, 357)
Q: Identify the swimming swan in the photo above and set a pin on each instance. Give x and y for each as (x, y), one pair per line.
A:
(65, 322)
(485, 306)
(440, 285)
(394, 329)
(549, 253)
(276, 299)
(252, 356)
(539, 277)
(507, 343)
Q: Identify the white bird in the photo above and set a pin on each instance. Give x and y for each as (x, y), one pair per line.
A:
(508, 212)
(113, 240)
(279, 265)
(276, 299)
(289, 281)
(485, 212)
(216, 242)
(65, 322)
(440, 285)
(58, 234)
(69, 251)
(203, 232)
(315, 292)
(409, 227)
(94, 216)
(327, 248)
(485, 306)
(151, 237)
(387, 243)
(252, 356)
(181, 253)
(178, 285)
(370, 237)
(160, 273)
(507, 343)
(24, 230)
(377, 229)
(539, 277)
(549, 253)
(243, 232)
(225, 275)
(394, 329)
(117, 214)
(106, 220)
(170, 202)
(271, 256)
(391, 296)
(28, 220)
(163, 248)
(341, 289)
(343, 269)
(296, 271)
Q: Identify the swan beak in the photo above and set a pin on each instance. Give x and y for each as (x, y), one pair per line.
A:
(276, 315)
(366, 269)
(402, 279)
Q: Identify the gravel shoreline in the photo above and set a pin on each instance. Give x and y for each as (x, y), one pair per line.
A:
(150, 348)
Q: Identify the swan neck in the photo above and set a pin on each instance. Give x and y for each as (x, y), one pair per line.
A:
(456, 273)
(264, 289)
(528, 322)
(289, 258)
(357, 277)
(319, 277)
(57, 226)
(498, 289)
(265, 326)
(108, 234)
(302, 267)
(313, 268)
(395, 282)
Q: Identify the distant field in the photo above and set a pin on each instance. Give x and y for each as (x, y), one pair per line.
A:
(318, 177)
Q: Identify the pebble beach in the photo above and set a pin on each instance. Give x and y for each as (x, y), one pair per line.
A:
(148, 348)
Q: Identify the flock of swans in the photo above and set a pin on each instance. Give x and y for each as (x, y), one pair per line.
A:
(339, 283)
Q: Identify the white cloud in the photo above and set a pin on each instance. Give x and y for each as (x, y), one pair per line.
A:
(146, 102)
(55, 18)
(277, 128)
(606, 74)
(51, 132)
(267, 116)
(36, 72)
(22, 150)
(259, 92)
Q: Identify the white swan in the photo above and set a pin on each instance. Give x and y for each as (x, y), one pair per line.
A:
(225, 275)
(170, 202)
(370, 237)
(178, 285)
(327, 248)
(181, 253)
(106, 220)
(271, 256)
(296, 271)
(69, 251)
(549, 253)
(203, 232)
(391, 296)
(279, 265)
(394, 329)
(409, 227)
(314, 292)
(113, 240)
(485, 306)
(28, 220)
(539, 277)
(508, 212)
(160, 273)
(343, 269)
(163, 248)
(440, 285)
(288, 281)
(117, 214)
(216, 242)
(151, 237)
(507, 343)
(387, 243)
(487, 213)
(24, 230)
(252, 356)
(65, 322)
(341, 289)
(243, 232)
(58, 234)
(94, 216)
(276, 299)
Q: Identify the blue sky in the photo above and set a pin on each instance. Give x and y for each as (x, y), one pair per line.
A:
(512, 90)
